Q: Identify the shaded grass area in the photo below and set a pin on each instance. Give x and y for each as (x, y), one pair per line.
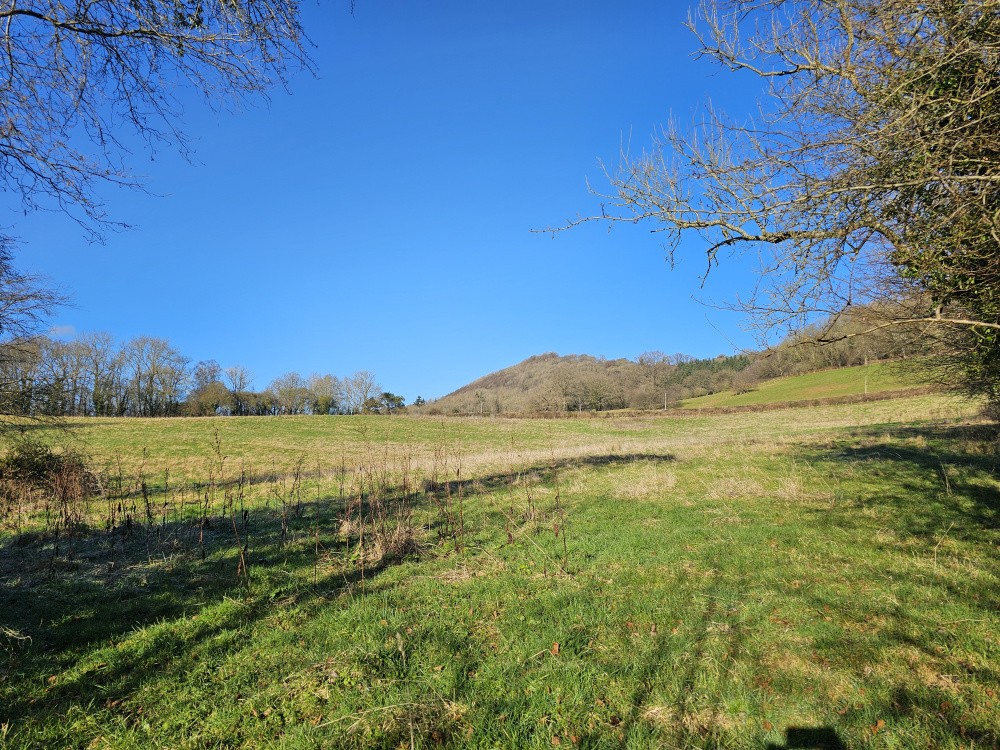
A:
(840, 586)
(847, 381)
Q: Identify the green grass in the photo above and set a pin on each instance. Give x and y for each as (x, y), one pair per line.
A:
(734, 581)
(830, 383)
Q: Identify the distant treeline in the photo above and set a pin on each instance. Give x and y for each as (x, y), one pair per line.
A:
(94, 375)
(655, 380)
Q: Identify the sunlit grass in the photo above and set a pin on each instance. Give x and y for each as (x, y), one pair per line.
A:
(730, 581)
(848, 381)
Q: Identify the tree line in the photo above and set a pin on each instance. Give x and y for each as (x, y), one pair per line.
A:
(656, 380)
(92, 374)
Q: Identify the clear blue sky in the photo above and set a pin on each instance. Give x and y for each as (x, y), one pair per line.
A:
(378, 216)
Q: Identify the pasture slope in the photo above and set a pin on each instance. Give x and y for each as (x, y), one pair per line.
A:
(820, 577)
(846, 381)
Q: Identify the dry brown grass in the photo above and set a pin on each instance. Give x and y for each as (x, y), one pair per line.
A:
(643, 480)
(734, 488)
(702, 721)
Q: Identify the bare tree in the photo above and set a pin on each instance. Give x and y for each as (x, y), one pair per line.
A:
(75, 73)
(78, 75)
(869, 180)
(358, 388)
(238, 378)
(291, 393)
(103, 376)
(325, 393)
(26, 302)
(242, 401)
(157, 375)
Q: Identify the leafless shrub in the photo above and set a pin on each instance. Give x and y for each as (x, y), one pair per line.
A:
(399, 541)
(33, 472)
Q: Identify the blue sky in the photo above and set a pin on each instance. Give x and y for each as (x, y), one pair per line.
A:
(378, 217)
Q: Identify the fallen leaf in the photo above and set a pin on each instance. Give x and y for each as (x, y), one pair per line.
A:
(767, 726)
(556, 740)
(878, 725)
(555, 649)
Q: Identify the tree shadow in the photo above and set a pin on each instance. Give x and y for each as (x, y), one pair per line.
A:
(61, 614)
(84, 612)
(820, 738)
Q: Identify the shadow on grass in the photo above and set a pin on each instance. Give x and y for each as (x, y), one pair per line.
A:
(934, 488)
(690, 725)
(63, 614)
(936, 493)
(69, 613)
(820, 738)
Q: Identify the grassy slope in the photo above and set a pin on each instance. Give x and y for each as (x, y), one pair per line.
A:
(844, 382)
(734, 578)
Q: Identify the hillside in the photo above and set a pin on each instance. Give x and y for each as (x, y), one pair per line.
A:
(849, 381)
(550, 382)
(653, 380)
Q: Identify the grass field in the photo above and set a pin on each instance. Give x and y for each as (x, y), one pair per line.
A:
(848, 381)
(812, 578)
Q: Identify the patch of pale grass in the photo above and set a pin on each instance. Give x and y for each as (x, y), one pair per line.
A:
(734, 488)
(692, 722)
(932, 678)
(724, 516)
(807, 667)
(632, 425)
(643, 480)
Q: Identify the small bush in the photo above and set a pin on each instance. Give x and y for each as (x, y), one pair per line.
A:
(31, 460)
(33, 469)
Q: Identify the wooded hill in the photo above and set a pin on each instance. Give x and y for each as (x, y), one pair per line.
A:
(654, 380)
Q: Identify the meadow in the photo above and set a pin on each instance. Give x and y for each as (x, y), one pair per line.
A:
(823, 577)
(846, 381)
